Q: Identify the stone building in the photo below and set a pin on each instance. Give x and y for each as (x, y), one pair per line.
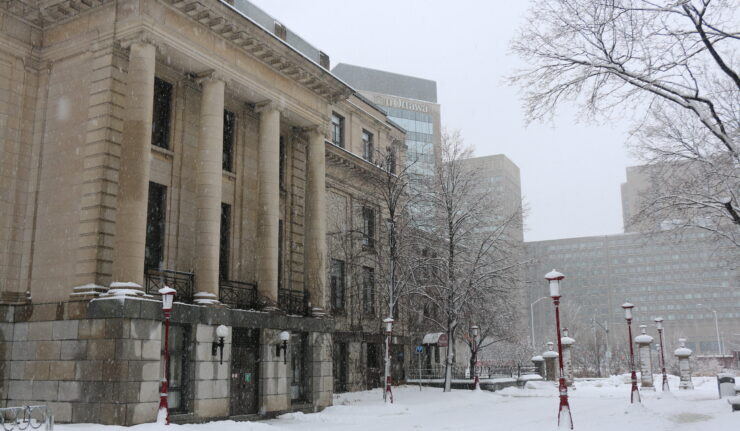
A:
(186, 143)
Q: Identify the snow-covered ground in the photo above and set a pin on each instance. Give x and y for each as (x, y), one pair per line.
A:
(598, 404)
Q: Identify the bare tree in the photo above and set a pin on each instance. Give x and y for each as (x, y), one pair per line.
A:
(674, 64)
(469, 261)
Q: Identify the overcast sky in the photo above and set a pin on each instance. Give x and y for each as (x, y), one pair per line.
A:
(571, 170)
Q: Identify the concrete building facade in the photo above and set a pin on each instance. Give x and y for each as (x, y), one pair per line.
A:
(681, 281)
(167, 142)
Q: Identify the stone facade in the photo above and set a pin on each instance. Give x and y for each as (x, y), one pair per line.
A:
(244, 245)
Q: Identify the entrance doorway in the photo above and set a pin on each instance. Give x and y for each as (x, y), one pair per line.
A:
(340, 367)
(244, 368)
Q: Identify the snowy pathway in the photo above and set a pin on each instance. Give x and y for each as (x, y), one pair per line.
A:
(601, 404)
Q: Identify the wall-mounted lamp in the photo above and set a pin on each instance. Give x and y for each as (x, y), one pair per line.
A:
(284, 337)
(221, 332)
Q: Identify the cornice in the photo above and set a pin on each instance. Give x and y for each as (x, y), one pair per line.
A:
(232, 26)
(45, 13)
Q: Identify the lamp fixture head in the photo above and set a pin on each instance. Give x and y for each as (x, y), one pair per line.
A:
(554, 277)
(168, 297)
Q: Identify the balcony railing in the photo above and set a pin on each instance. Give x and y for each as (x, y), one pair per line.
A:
(182, 282)
(238, 294)
(293, 301)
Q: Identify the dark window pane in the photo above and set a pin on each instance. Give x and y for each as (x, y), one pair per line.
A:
(224, 254)
(368, 227)
(162, 111)
(337, 284)
(367, 146)
(368, 290)
(229, 133)
(337, 126)
(282, 162)
(280, 254)
(155, 225)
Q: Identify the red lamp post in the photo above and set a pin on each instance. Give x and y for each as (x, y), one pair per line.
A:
(635, 395)
(659, 325)
(168, 297)
(565, 420)
(388, 394)
(475, 333)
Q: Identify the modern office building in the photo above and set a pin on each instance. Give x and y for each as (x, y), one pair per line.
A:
(184, 143)
(683, 278)
(499, 177)
(410, 102)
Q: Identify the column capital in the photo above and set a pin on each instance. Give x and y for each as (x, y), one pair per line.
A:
(141, 38)
(207, 76)
(267, 105)
(321, 130)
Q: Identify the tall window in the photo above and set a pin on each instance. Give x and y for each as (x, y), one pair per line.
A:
(367, 146)
(337, 129)
(161, 113)
(368, 227)
(155, 225)
(280, 254)
(336, 280)
(368, 290)
(229, 133)
(224, 248)
(282, 161)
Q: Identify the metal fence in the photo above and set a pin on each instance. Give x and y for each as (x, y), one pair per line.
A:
(293, 301)
(26, 418)
(182, 282)
(240, 295)
(461, 373)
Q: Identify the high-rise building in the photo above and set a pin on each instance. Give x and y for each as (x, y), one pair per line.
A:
(498, 175)
(410, 102)
(683, 278)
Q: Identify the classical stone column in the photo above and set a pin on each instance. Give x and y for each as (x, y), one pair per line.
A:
(133, 176)
(208, 178)
(315, 227)
(643, 342)
(269, 203)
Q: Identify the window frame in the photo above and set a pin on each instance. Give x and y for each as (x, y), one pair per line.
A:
(337, 135)
(368, 227)
(338, 288)
(368, 290)
(161, 138)
(227, 162)
(368, 145)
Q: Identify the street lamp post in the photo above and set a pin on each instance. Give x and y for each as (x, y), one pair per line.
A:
(716, 327)
(565, 420)
(635, 395)
(168, 297)
(531, 315)
(475, 334)
(659, 325)
(388, 322)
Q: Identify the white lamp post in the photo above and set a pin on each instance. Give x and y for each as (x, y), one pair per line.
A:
(388, 325)
(635, 394)
(564, 417)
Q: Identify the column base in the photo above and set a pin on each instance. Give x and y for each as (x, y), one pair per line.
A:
(124, 289)
(15, 298)
(318, 312)
(207, 299)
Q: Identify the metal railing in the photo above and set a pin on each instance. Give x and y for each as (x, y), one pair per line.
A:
(182, 282)
(26, 417)
(293, 301)
(238, 294)
(459, 372)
